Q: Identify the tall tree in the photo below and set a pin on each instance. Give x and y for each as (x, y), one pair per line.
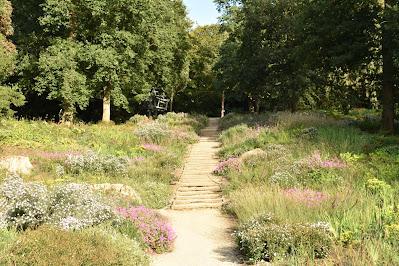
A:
(8, 95)
(388, 104)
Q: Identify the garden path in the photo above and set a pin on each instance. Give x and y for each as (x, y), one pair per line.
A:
(203, 232)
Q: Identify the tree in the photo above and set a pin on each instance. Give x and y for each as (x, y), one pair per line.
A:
(201, 94)
(8, 95)
(115, 51)
(388, 33)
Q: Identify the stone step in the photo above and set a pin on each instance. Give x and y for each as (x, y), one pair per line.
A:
(200, 179)
(198, 184)
(196, 206)
(196, 193)
(198, 200)
(207, 189)
(198, 196)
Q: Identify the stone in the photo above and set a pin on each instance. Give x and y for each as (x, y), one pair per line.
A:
(121, 189)
(249, 154)
(20, 165)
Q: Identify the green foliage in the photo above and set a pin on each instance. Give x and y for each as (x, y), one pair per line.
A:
(262, 239)
(89, 247)
(60, 77)
(77, 52)
(9, 97)
(201, 95)
(307, 54)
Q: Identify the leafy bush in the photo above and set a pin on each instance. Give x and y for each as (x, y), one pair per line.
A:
(154, 229)
(195, 122)
(232, 119)
(138, 119)
(95, 163)
(155, 194)
(49, 246)
(264, 239)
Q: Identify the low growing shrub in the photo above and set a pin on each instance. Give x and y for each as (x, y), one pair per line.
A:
(95, 163)
(50, 246)
(25, 204)
(154, 132)
(71, 206)
(154, 229)
(264, 239)
(74, 206)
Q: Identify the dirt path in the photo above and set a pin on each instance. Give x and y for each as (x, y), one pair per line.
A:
(203, 232)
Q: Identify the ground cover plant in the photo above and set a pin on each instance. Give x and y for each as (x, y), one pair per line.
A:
(310, 188)
(93, 188)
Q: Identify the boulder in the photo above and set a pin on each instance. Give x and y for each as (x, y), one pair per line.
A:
(120, 189)
(249, 154)
(16, 165)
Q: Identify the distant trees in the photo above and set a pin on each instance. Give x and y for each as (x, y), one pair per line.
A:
(8, 95)
(74, 51)
(311, 53)
(202, 94)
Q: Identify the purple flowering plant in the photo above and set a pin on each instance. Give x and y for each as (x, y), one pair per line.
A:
(229, 164)
(315, 161)
(308, 197)
(156, 232)
(152, 147)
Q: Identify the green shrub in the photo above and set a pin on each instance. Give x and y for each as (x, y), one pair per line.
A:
(264, 239)
(251, 120)
(49, 246)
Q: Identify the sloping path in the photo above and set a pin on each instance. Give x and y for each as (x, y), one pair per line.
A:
(203, 232)
(198, 188)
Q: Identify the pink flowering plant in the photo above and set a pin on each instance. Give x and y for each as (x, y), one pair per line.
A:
(155, 231)
(229, 164)
(308, 197)
(152, 147)
(316, 161)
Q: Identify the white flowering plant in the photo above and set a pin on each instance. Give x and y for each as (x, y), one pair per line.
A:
(94, 163)
(263, 238)
(29, 205)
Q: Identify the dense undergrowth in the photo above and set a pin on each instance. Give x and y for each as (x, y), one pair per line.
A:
(90, 197)
(310, 188)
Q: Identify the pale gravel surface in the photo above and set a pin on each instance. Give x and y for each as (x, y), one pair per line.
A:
(203, 239)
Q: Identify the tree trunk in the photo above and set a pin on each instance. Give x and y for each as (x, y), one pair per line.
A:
(388, 105)
(67, 114)
(251, 107)
(257, 105)
(223, 106)
(107, 105)
(172, 99)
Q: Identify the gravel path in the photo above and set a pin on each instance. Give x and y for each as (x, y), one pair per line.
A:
(203, 232)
